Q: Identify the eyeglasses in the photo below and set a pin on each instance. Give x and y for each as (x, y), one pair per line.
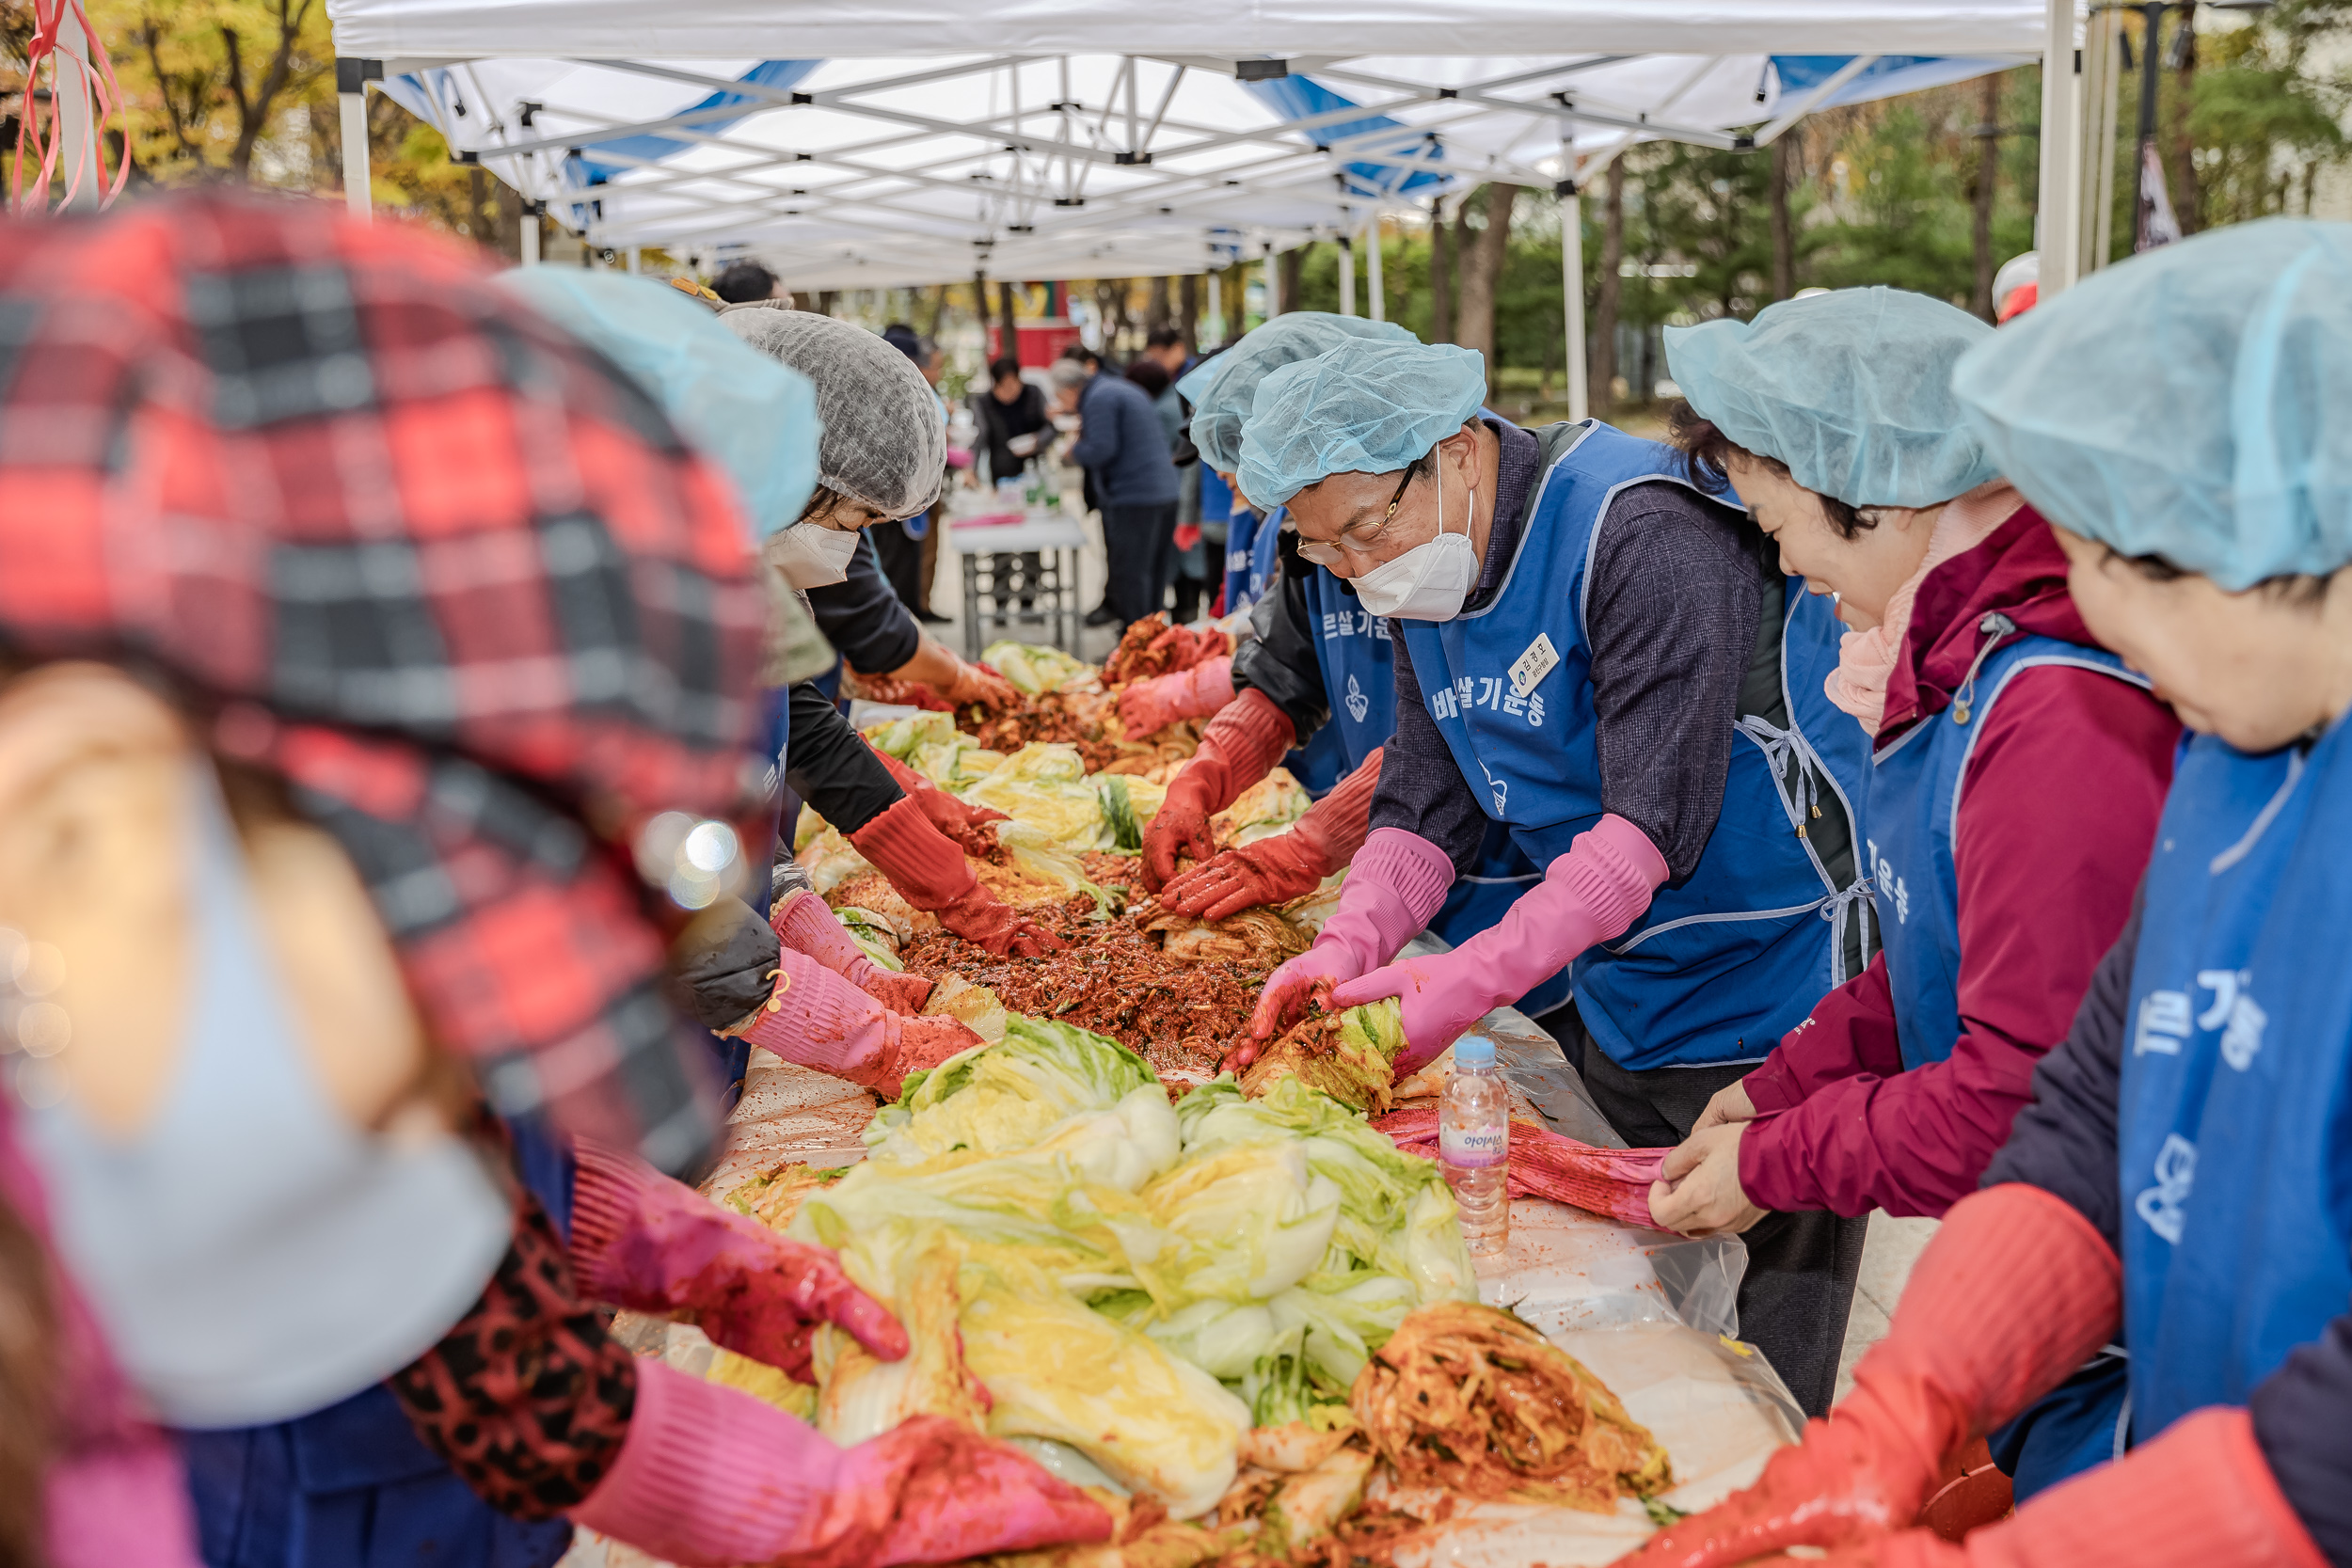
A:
(1358, 540)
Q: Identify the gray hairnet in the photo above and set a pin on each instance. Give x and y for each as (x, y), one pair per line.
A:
(886, 441)
(1222, 391)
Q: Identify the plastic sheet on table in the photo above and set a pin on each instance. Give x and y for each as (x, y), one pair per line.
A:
(1563, 1269)
(789, 1115)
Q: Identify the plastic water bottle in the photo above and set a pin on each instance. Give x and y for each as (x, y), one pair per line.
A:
(1474, 1144)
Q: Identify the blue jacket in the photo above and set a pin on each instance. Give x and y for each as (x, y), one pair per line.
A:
(1123, 445)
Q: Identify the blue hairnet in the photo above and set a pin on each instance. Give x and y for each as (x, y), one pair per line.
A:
(756, 418)
(1222, 389)
(1851, 389)
(1365, 407)
(2188, 404)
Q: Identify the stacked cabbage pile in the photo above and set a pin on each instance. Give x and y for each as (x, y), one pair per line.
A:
(1127, 1286)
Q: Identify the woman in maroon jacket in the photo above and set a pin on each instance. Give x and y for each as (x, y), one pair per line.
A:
(2017, 776)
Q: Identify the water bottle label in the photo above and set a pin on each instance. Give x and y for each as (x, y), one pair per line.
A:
(1471, 1147)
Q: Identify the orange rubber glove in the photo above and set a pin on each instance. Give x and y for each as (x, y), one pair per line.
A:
(1288, 866)
(931, 873)
(2013, 1293)
(2198, 1495)
(1241, 746)
(967, 825)
(1147, 707)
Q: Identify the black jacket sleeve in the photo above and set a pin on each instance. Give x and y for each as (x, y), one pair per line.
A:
(2065, 1143)
(828, 764)
(1422, 789)
(863, 619)
(1280, 660)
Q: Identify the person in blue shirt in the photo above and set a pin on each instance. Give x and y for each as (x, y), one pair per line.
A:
(1123, 448)
(2181, 1185)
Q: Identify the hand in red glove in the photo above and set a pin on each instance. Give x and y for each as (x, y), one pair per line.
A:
(709, 1476)
(931, 873)
(1146, 708)
(643, 1242)
(1288, 866)
(2199, 1493)
(2011, 1295)
(965, 824)
(1241, 747)
(818, 1019)
(979, 684)
(804, 924)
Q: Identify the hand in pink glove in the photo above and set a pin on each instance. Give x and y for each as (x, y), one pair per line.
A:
(2012, 1294)
(931, 873)
(818, 1019)
(804, 924)
(1288, 866)
(967, 825)
(1147, 707)
(1589, 895)
(2201, 1493)
(709, 1476)
(647, 1243)
(1240, 748)
(1395, 883)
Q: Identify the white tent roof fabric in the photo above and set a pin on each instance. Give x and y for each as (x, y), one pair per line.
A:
(1088, 140)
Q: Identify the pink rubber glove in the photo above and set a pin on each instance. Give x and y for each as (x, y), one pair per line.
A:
(2199, 1494)
(709, 1476)
(2015, 1289)
(1287, 865)
(647, 1243)
(804, 924)
(1147, 707)
(818, 1019)
(1396, 882)
(1589, 895)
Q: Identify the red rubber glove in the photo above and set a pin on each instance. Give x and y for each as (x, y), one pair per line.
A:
(1247, 739)
(965, 824)
(2013, 1293)
(1147, 707)
(647, 1243)
(804, 924)
(981, 684)
(931, 873)
(1395, 883)
(818, 1019)
(1288, 866)
(1589, 895)
(709, 1476)
(2198, 1495)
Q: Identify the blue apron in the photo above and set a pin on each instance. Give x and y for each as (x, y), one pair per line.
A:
(352, 1485)
(1913, 809)
(1359, 665)
(1717, 969)
(2233, 1138)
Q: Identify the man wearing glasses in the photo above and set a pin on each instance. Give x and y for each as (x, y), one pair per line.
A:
(1594, 653)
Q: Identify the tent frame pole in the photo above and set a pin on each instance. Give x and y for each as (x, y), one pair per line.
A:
(1374, 282)
(2057, 234)
(1347, 275)
(352, 76)
(1572, 280)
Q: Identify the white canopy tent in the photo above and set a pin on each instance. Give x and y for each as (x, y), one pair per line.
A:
(842, 141)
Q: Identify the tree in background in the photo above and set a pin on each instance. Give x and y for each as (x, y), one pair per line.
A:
(216, 87)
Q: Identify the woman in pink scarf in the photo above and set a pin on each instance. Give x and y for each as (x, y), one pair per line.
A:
(2018, 768)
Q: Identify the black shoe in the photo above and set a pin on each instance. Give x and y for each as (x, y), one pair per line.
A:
(932, 618)
(1101, 615)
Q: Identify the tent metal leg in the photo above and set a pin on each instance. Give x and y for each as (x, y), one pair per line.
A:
(2056, 235)
(1347, 275)
(1373, 280)
(1572, 284)
(352, 76)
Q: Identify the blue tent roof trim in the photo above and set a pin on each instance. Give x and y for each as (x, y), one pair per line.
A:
(1300, 98)
(1887, 76)
(589, 170)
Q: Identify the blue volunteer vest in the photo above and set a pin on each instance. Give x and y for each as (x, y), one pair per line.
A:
(352, 1485)
(2234, 1142)
(1718, 969)
(1359, 665)
(1914, 807)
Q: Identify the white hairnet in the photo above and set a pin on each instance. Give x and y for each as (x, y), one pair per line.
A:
(1222, 389)
(886, 441)
(756, 418)
(2190, 404)
(1851, 389)
(1365, 407)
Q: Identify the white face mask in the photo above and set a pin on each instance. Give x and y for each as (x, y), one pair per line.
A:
(810, 555)
(1430, 581)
